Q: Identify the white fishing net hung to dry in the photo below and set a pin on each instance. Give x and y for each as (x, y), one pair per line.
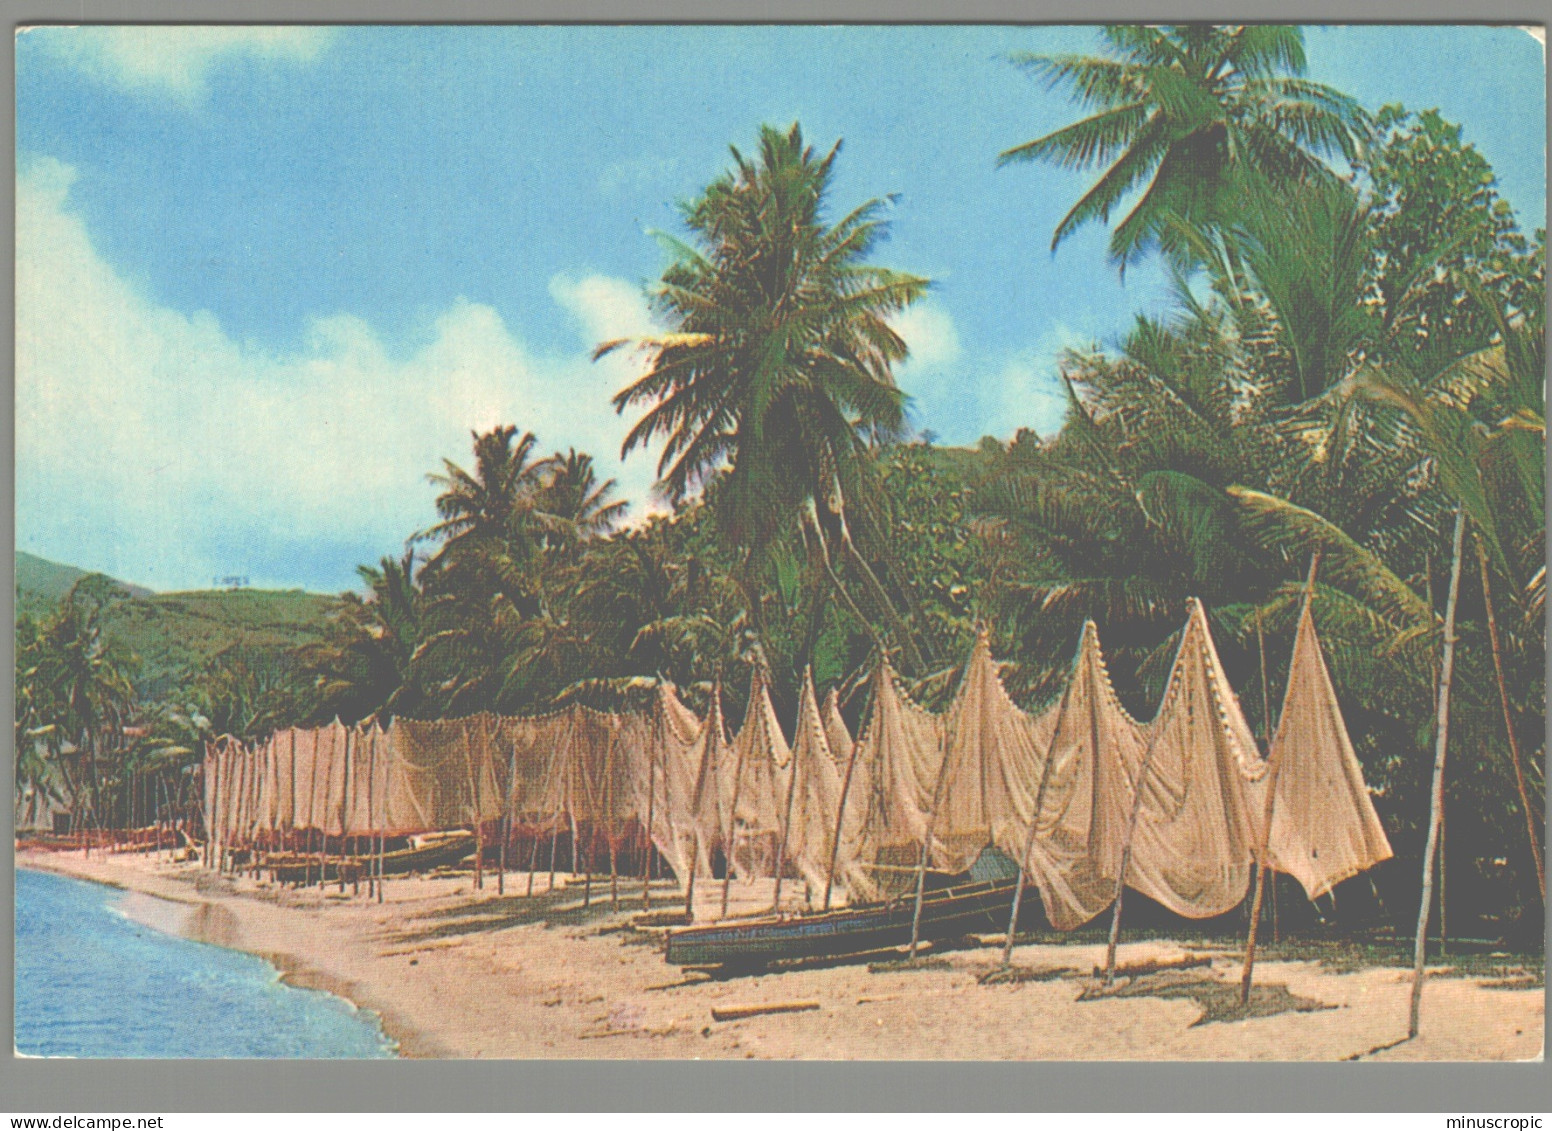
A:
(1068, 791)
(1323, 828)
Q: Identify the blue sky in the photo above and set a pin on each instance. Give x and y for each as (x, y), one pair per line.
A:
(268, 278)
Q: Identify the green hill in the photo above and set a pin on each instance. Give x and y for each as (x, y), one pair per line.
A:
(172, 633)
(40, 583)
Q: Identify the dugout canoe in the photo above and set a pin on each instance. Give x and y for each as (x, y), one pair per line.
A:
(947, 913)
(435, 851)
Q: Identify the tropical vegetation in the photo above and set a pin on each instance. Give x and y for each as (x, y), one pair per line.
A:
(1351, 366)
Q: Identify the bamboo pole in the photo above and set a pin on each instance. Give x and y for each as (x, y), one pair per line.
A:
(1508, 718)
(1441, 746)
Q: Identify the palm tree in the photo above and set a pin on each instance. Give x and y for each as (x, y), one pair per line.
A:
(1181, 109)
(363, 665)
(571, 503)
(777, 372)
(482, 581)
(80, 689)
(490, 501)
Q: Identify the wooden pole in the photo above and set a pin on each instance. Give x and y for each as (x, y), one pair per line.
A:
(689, 888)
(932, 822)
(709, 744)
(1262, 866)
(1441, 745)
(1444, 938)
(344, 810)
(470, 762)
(371, 811)
(730, 834)
(786, 820)
(506, 817)
(1034, 820)
(291, 837)
(323, 826)
(609, 817)
(1508, 718)
(840, 809)
(382, 832)
(554, 848)
(533, 860)
(646, 864)
(1131, 826)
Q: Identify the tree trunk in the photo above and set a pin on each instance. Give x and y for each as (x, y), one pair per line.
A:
(1441, 744)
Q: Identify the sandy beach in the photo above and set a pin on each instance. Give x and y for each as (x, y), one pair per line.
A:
(458, 972)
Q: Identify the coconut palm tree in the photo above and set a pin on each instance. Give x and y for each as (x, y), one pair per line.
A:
(777, 370)
(489, 503)
(570, 502)
(362, 666)
(1178, 110)
(80, 690)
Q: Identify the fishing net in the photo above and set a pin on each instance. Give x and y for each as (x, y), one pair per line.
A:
(991, 769)
(1323, 825)
(1070, 791)
(1083, 799)
(887, 800)
(750, 813)
(1201, 788)
(811, 793)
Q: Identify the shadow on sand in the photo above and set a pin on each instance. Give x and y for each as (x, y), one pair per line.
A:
(1219, 1000)
(560, 908)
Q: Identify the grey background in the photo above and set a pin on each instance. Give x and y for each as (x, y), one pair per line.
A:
(36, 1086)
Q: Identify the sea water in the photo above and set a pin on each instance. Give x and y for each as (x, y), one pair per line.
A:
(91, 982)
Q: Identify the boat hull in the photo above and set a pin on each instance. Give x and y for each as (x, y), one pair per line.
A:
(948, 913)
(296, 870)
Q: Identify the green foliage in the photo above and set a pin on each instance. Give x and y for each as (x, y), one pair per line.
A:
(1436, 211)
(1180, 112)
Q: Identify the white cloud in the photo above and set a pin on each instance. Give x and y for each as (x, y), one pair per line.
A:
(930, 332)
(606, 308)
(1027, 392)
(174, 60)
(149, 440)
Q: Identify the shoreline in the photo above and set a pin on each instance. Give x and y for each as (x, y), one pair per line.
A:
(216, 924)
(454, 972)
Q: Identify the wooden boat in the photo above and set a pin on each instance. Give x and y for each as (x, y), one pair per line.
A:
(947, 913)
(432, 851)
